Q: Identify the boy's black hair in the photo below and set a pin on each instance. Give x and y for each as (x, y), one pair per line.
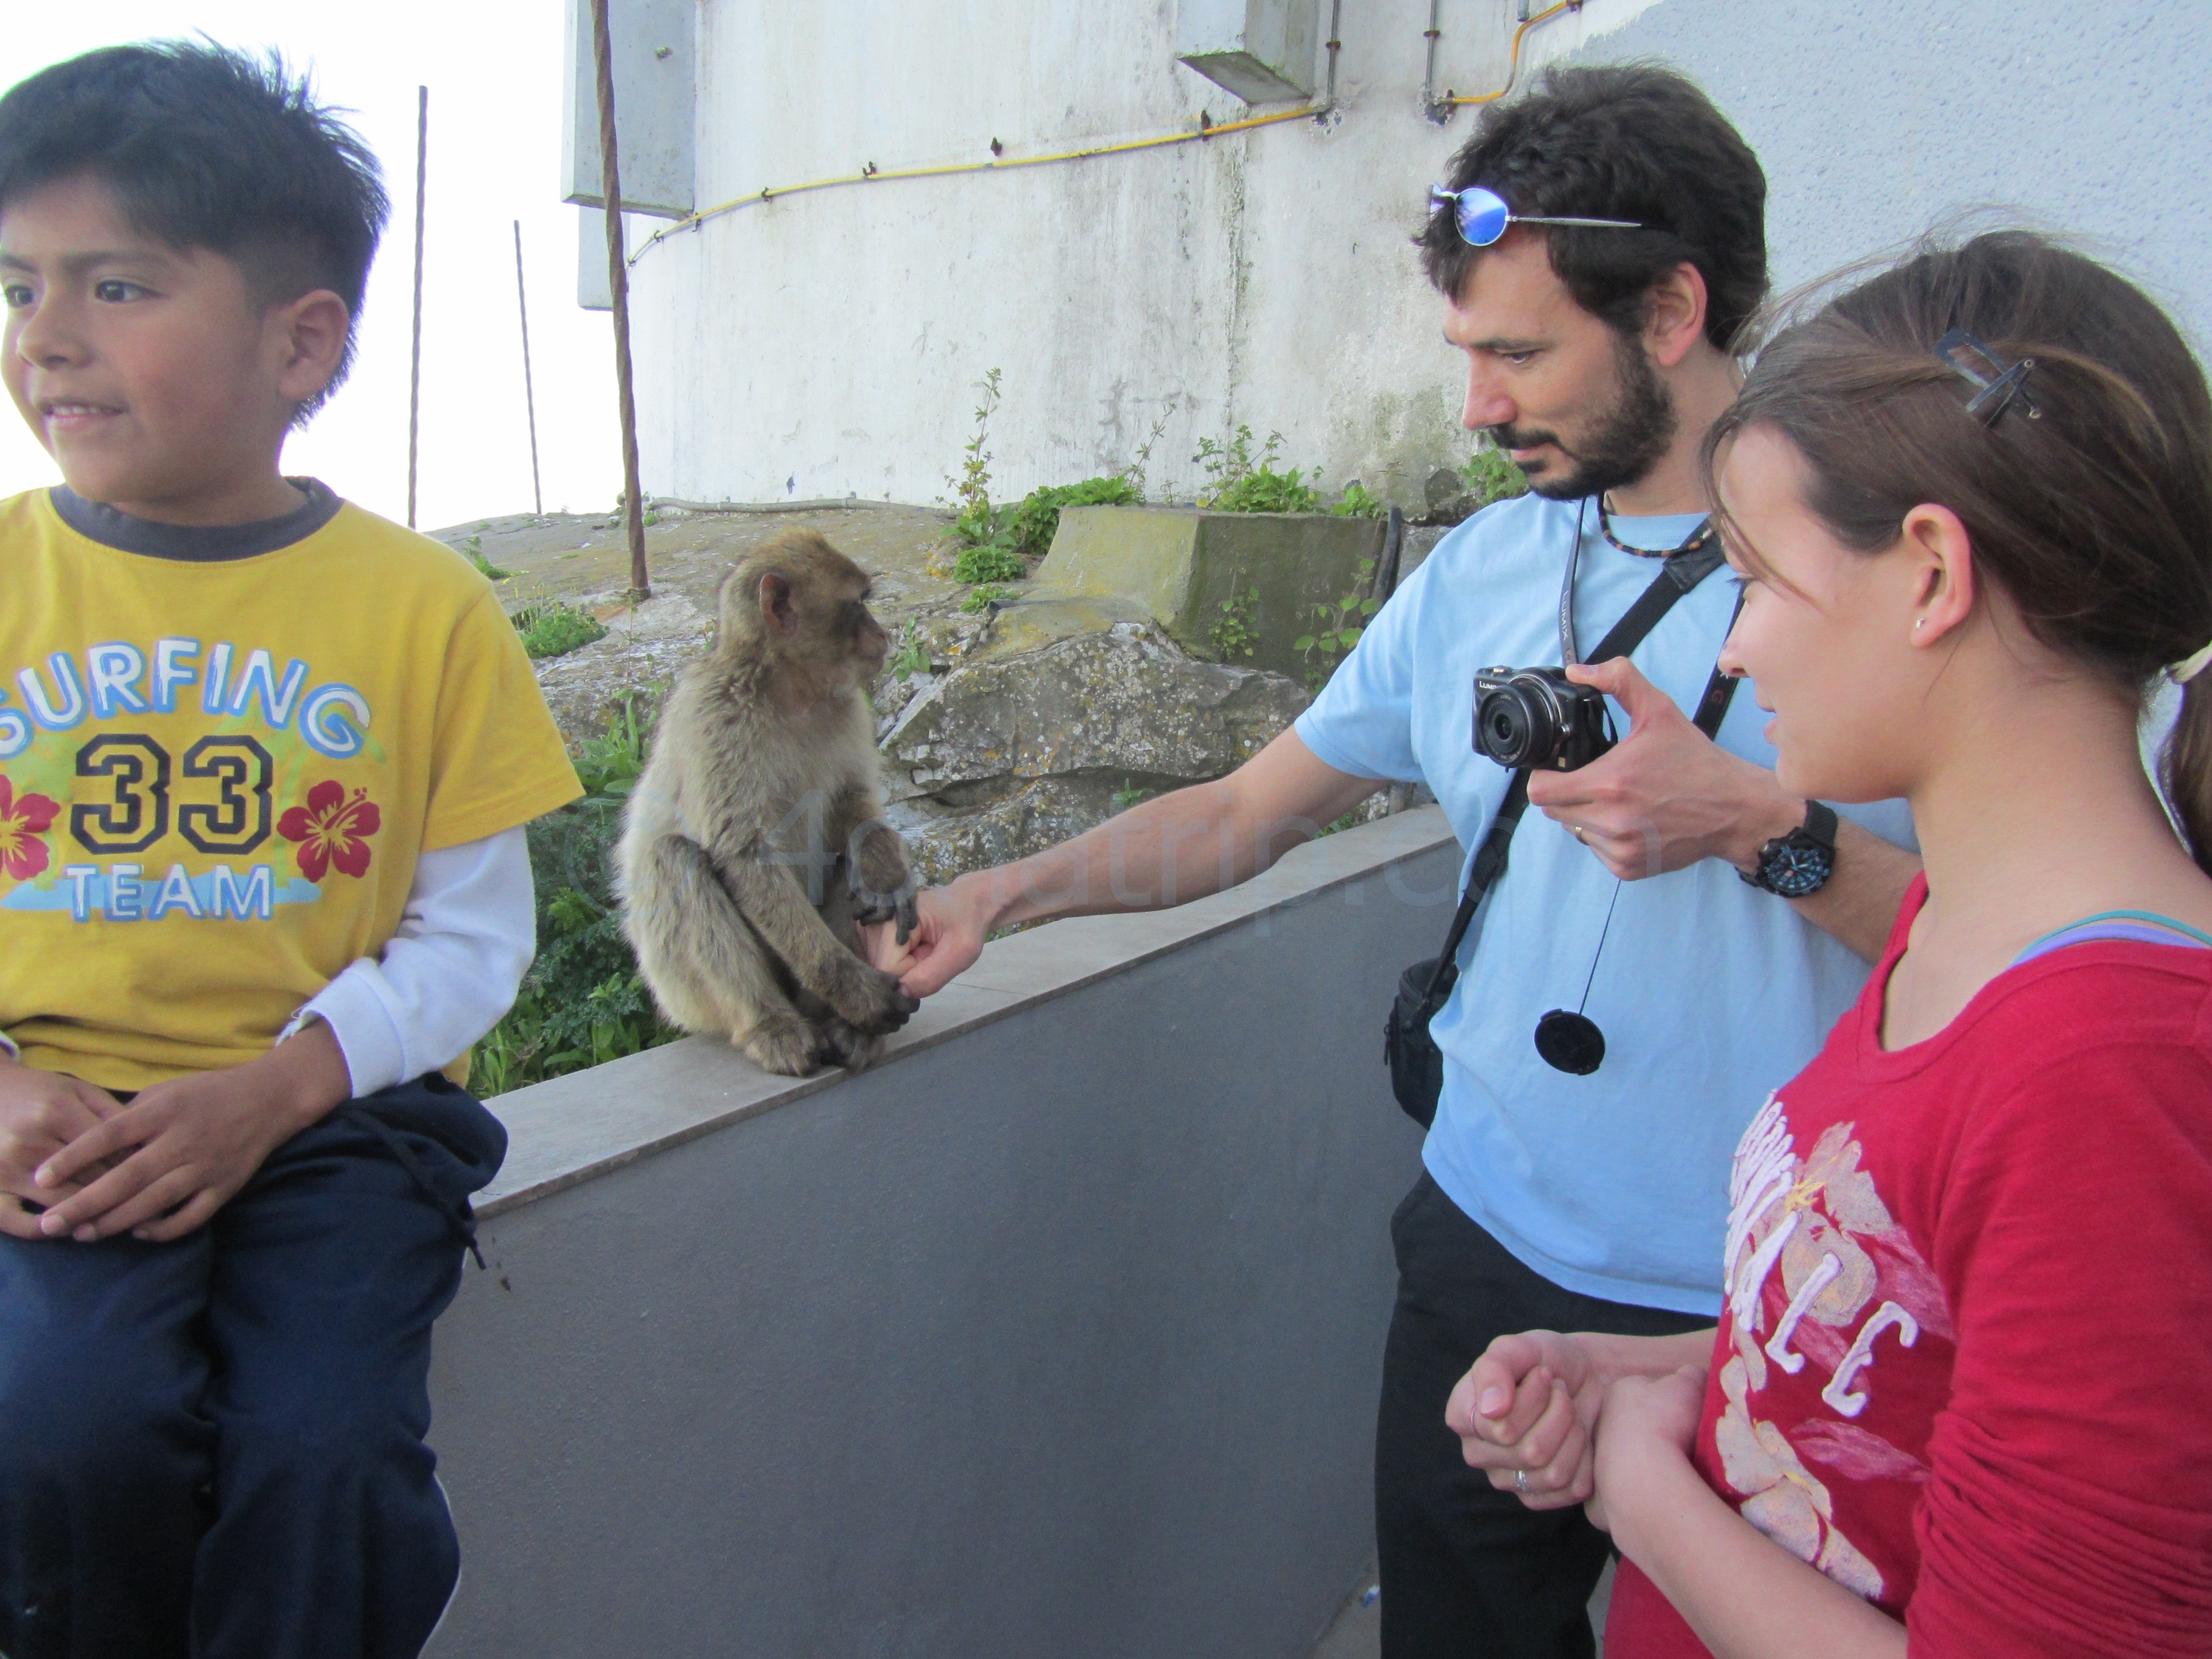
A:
(1627, 141)
(207, 147)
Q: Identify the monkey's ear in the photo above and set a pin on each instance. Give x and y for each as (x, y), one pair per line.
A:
(776, 608)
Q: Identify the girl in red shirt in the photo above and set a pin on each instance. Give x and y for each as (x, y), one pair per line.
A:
(1960, 1396)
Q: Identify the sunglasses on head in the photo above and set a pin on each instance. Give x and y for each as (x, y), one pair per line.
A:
(1482, 215)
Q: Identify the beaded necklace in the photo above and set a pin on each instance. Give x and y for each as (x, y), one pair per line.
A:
(1699, 536)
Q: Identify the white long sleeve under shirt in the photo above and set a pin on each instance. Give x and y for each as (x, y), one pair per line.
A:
(447, 975)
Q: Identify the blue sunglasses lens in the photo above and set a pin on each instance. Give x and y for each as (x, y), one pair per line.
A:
(1483, 217)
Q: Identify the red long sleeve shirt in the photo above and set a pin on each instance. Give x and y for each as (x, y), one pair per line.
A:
(1964, 1368)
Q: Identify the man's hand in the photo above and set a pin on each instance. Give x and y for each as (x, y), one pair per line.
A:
(1526, 1413)
(40, 1113)
(1648, 1423)
(1666, 795)
(182, 1148)
(950, 926)
(881, 950)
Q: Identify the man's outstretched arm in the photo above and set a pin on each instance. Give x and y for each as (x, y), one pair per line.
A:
(1168, 851)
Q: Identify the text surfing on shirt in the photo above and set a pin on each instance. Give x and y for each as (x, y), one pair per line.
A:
(216, 795)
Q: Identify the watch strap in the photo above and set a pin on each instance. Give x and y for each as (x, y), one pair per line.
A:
(1820, 823)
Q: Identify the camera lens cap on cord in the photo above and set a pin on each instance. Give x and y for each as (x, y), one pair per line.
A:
(1570, 1042)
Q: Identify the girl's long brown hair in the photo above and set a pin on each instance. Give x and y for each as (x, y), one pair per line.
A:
(2094, 516)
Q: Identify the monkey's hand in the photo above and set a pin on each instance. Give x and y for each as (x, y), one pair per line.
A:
(883, 884)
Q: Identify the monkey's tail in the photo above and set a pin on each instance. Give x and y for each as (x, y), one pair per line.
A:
(707, 968)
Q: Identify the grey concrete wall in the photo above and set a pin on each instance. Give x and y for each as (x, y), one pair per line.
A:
(1059, 1333)
(1877, 118)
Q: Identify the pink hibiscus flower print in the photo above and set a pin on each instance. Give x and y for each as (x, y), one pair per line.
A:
(23, 826)
(331, 829)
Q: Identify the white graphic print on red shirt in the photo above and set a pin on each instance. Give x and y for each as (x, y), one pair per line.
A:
(1824, 1287)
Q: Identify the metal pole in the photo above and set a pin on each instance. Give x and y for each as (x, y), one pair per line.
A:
(1432, 107)
(529, 394)
(415, 367)
(618, 281)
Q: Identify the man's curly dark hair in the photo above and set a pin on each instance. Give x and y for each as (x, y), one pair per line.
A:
(1627, 141)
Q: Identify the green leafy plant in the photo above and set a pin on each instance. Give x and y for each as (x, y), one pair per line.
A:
(911, 658)
(1357, 502)
(1242, 483)
(1233, 636)
(992, 561)
(473, 549)
(1491, 476)
(582, 1003)
(1337, 628)
(1129, 795)
(983, 598)
(977, 520)
(553, 628)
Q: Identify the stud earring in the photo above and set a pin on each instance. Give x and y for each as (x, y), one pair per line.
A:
(1919, 623)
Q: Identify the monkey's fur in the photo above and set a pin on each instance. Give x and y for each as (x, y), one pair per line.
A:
(762, 767)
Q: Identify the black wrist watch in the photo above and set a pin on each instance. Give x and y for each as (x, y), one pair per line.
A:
(1798, 865)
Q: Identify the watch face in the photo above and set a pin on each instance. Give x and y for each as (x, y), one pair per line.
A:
(1795, 869)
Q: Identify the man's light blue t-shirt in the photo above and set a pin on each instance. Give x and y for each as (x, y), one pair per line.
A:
(1710, 991)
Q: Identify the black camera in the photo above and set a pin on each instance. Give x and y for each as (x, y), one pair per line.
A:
(1539, 718)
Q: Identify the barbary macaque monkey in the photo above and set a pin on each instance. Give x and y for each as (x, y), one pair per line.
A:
(753, 844)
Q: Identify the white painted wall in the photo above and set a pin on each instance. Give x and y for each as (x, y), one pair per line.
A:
(828, 344)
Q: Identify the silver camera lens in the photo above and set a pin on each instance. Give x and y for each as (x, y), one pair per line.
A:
(1537, 717)
(1516, 723)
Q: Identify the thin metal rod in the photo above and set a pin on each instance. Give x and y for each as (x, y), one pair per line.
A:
(529, 392)
(618, 281)
(1335, 45)
(414, 365)
(1429, 74)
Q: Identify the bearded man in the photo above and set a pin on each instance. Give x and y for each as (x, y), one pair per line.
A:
(1674, 935)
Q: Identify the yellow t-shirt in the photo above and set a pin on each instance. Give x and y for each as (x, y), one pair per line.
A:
(216, 777)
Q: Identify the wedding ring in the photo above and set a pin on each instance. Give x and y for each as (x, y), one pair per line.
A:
(1520, 1481)
(1577, 831)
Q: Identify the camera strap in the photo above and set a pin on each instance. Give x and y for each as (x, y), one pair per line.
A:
(1680, 574)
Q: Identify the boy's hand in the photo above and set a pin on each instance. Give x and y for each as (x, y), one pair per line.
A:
(40, 1113)
(187, 1145)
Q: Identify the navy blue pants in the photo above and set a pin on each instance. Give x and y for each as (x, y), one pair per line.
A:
(213, 1448)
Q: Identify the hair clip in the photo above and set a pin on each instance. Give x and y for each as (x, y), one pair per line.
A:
(2190, 666)
(1996, 384)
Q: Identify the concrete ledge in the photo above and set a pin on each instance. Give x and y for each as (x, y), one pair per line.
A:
(1057, 1332)
(590, 1122)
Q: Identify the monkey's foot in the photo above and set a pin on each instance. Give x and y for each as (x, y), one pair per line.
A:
(785, 1044)
(853, 1050)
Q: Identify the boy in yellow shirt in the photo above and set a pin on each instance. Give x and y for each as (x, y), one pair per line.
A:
(264, 761)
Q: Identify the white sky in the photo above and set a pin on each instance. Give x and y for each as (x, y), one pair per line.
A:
(494, 69)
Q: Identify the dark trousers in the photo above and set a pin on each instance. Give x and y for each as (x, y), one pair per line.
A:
(214, 1447)
(1468, 1571)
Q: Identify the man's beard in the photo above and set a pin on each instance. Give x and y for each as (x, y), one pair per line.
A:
(1624, 443)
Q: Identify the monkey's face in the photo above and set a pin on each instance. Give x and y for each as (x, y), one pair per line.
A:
(808, 605)
(866, 643)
